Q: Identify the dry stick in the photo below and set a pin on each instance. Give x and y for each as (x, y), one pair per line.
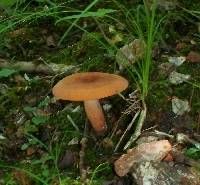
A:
(37, 67)
(126, 99)
(127, 129)
(183, 138)
(115, 128)
(192, 94)
(157, 132)
(138, 127)
(27, 66)
(83, 172)
(150, 128)
(73, 123)
(198, 123)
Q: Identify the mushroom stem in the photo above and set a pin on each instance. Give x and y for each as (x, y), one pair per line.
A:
(95, 114)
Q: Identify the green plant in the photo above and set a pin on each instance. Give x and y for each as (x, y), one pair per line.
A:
(6, 72)
(38, 119)
(143, 23)
(5, 4)
(36, 178)
(99, 168)
(77, 19)
(56, 11)
(43, 170)
(193, 152)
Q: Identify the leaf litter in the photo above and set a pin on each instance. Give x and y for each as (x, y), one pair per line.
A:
(178, 78)
(179, 107)
(36, 119)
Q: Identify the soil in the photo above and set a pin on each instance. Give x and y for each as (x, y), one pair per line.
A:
(40, 136)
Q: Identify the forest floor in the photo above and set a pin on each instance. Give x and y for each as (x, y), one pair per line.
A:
(48, 141)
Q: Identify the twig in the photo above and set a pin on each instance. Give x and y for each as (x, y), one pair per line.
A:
(127, 129)
(73, 123)
(157, 132)
(182, 138)
(198, 123)
(37, 67)
(83, 171)
(116, 126)
(150, 128)
(138, 128)
(132, 108)
(128, 100)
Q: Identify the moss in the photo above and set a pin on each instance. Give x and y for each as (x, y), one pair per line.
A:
(10, 99)
(63, 56)
(90, 52)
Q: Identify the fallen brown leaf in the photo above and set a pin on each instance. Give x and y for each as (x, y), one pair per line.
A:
(30, 151)
(21, 177)
(180, 46)
(69, 159)
(193, 57)
(18, 32)
(50, 41)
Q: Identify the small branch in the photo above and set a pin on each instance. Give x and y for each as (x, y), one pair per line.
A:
(83, 171)
(117, 125)
(133, 108)
(37, 67)
(157, 132)
(73, 123)
(182, 138)
(127, 129)
(138, 128)
(198, 123)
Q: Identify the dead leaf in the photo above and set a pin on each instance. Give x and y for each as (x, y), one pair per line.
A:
(18, 32)
(21, 177)
(179, 107)
(30, 151)
(74, 141)
(112, 29)
(153, 151)
(166, 5)
(193, 57)
(69, 159)
(177, 61)
(178, 78)
(50, 41)
(166, 68)
(41, 112)
(116, 38)
(146, 139)
(163, 5)
(9, 130)
(107, 143)
(180, 46)
(129, 53)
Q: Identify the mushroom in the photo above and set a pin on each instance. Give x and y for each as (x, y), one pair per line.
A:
(90, 87)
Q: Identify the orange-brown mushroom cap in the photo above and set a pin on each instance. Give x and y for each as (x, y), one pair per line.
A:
(88, 86)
